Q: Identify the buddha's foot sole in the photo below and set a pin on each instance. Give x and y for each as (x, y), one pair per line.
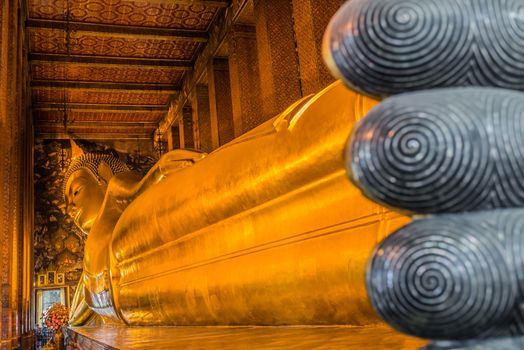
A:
(384, 47)
(444, 150)
(454, 276)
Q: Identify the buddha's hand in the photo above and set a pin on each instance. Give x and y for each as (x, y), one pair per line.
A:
(80, 314)
(176, 160)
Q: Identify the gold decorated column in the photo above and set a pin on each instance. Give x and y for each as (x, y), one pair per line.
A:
(311, 18)
(201, 117)
(173, 138)
(187, 124)
(180, 126)
(278, 61)
(245, 82)
(220, 104)
(15, 181)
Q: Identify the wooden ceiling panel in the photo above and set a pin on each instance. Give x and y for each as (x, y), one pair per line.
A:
(134, 130)
(98, 116)
(105, 73)
(92, 96)
(114, 65)
(166, 14)
(108, 132)
(53, 41)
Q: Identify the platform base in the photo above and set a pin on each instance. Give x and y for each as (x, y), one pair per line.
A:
(233, 338)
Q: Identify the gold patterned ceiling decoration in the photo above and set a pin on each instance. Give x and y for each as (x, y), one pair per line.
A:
(112, 64)
(53, 41)
(87, 116)
(102, 132)
(167, 14)
(99, 96)
(105, 73)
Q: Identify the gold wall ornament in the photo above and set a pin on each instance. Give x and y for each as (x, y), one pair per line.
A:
(266, 230)
(50, 277)
(41, 279)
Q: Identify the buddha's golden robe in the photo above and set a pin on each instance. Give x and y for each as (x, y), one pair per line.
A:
(266, 230)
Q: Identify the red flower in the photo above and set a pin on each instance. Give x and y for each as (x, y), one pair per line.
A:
(56, 316)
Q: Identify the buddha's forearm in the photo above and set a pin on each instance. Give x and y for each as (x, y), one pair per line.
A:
(80, 313)
(127, 186)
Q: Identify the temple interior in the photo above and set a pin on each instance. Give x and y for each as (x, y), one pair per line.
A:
(174, 177)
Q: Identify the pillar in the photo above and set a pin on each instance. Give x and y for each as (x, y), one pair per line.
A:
(181, 133)
(169, 136)
(201, 117)
(187, 124)
(195, 127)
(173, 138)
(278, 61)
(245, 82)
(311, 18)
(220, 104)
(15, 175)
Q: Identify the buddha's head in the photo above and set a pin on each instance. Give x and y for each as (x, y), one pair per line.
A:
(85, 185)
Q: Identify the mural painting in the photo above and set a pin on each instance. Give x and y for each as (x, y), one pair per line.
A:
(58, 243)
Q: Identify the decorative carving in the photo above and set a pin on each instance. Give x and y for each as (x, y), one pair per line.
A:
(394, 46)
(446, 150)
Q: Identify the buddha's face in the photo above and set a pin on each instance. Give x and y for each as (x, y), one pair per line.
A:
(84, 197)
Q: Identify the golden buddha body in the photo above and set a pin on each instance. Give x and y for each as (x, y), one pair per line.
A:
(266, 230)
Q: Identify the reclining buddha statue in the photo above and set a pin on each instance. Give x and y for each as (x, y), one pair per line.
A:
(266, 230)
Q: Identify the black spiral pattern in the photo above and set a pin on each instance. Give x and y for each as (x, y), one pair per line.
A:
(447, 277)
(385, 47)
(503, 343)
(447, 150)
(513, 227)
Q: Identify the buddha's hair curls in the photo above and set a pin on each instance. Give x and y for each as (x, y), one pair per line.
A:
(90, 162)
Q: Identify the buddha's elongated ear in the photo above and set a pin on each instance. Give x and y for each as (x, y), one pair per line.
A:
(105, 172)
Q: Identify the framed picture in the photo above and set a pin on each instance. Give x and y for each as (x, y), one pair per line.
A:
(60, 278)
(51, 275)
(41, 280)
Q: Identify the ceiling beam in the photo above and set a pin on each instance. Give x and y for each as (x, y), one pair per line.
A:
(192, 35)
(215, 3)
(92, 136)
(109, 125)
(99, 107)
(183, 65)
(104, 86)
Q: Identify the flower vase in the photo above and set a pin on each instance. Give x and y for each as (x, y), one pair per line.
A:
(58, 338)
